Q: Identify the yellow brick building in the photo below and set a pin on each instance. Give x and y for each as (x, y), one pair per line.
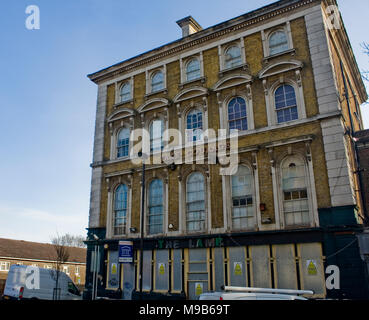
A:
(284, 76)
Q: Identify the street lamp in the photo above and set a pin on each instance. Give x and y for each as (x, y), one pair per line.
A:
(143, 158)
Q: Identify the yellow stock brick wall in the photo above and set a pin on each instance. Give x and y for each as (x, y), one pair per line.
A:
(254, 58)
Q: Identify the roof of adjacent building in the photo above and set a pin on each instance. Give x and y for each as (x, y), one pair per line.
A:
(21, 249)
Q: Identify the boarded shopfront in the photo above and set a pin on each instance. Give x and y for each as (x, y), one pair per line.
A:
(198, 270)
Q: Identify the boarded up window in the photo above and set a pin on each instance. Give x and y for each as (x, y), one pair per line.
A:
(197, 273)
(312, 268)
(260, 266)
(162, 270)
(146, 270)
(285, 266)
(237, 266)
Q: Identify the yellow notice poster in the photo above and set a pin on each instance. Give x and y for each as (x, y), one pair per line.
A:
(311, 267)
(237, 268)
(161, 268)
(113, 268)
(198, 288)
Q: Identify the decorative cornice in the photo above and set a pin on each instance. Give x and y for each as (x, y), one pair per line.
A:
(209, 34)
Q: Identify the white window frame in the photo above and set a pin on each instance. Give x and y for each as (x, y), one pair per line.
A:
(114, 140)
(165, 206)
(4, 266)
(207, 217)
(270, 101)
(118, 87)
(249, 112)
(117, 140)
(163, 116)
(161, 119)
(111, 207)
(222, 49)
(149, 76)
(265, 36)
(280, 192)
(184, 61)
(227, 197)
(148, 207)
(186, 111)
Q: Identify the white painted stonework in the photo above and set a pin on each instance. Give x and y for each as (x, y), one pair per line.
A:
(98, 153)
(322, 65)
(337, 163)
(327, 94)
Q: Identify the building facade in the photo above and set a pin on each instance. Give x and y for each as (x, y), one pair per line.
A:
(40, 255)
(285, 77)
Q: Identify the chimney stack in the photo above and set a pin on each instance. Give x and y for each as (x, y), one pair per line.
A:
(189, 26)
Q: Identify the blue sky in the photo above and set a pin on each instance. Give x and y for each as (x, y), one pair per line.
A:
(48, 105)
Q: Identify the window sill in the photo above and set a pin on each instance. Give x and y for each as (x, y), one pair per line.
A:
(202, 79)
(119, 104)
(121, 159)
(289, 51)
(147, 95)
(244, 67)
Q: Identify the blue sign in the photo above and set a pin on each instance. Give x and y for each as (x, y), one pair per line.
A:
(125, 250)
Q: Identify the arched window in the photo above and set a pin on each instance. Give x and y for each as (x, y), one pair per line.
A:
(120, 210)
(123, 143)
(237, 115)
(285, 103)
(157, 81)
(295, 193)
(194, 126)
(278, 42)
(155, 212)
(193, 70)
(156, 135)
(195, 202)
(125, 92)
(233, 57)
(243, 210)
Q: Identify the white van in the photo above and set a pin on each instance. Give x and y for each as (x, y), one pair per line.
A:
(26, 282)
(245, 293)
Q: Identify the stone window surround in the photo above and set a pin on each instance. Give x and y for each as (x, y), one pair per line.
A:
(118, 86)
(222, 49)
(147, 121)
(265, 36)
(182, 184)
(127, 180)
(150, 73)
(114, 132)
(227, 197)
(183, 62)
(277, 184)
(223, 105)
(165, 203)
(182, 120)
(269, 91)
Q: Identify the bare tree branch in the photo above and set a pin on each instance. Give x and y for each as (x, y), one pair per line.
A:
(365, 73)
(61, 256)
